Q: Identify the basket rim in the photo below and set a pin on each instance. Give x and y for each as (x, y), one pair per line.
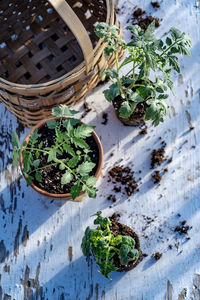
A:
(71, 75)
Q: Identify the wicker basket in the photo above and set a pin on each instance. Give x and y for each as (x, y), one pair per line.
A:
(49, 53)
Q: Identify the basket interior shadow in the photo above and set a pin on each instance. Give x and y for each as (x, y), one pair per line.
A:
(36, 45)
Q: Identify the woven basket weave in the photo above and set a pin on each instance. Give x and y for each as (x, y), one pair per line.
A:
(49, 53)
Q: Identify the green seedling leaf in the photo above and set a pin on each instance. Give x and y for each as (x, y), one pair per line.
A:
(170, 84)
(103, 222)
(51, 124)
(85, 168)
(144, 92)
(182, 49)
(133, 96)
(149, 33)
(145, 53)
(112, 92)
(36, 163)
(27, 160)
(75, 190)
(69, 149)
(126, 61)
(29, 179)
(56, 112)
(62, 166)
(173, 50)
(83, 131)
(126, 109)
(104, 245)
(116, 240)
(66, 111)
(134, 254)
(59, 136)
(15, 140)
(101, 29)
(15, 157)
(66, 178)
(175, 33)
(127, 252)
(127, 80)
(40, 145)
(52, 155)
(168, 41)
(156, 111)
(109, 50)
(173, 61)
(69, 126)
(24, 143)
(63, 111)
(111, 73)
(37, 154)
(72, 122)
(73, 162)
(135, 42)
(34, 137)
(151, 60)
(123, 254)
(108, 95)
(90, 191)
(159, 89)
(163, 96)
(38, 176)
(135, 29)
(91, 181)
(80, 143)
(85, 245)
(128, 240)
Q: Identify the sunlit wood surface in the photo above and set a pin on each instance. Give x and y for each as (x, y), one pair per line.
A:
(40, 239)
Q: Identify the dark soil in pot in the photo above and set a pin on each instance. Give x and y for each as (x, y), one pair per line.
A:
(137, 117)
(118, 228)
(51, 176)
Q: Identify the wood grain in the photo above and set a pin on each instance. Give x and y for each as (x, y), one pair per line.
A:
(37, 262)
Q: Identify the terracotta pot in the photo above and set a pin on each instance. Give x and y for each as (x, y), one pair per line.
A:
(66, 196)
(131, 265)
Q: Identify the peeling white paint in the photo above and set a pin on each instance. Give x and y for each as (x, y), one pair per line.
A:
(54, 227)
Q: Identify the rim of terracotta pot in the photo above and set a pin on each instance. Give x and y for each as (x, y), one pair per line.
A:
(66, 196)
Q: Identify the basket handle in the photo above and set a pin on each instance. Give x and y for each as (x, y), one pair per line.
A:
(75, 25)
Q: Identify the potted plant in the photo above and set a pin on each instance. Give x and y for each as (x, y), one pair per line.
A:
(136, 95)
(61, 157)
(115, 246)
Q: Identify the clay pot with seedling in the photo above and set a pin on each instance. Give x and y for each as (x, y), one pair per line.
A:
(61, 157)
(115, 246)
(136, 95)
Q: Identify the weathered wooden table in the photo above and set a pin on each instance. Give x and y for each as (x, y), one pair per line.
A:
(40, 239)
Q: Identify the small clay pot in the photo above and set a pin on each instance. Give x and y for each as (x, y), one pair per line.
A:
(66, 196)
(126, 230)
(136, 119)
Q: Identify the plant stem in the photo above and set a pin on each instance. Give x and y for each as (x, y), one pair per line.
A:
(169, 47)
(114, 249)
(36, 149)
(71, 171)
(41, 168)
(141, 85)
(58, 161)
(117, 62)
